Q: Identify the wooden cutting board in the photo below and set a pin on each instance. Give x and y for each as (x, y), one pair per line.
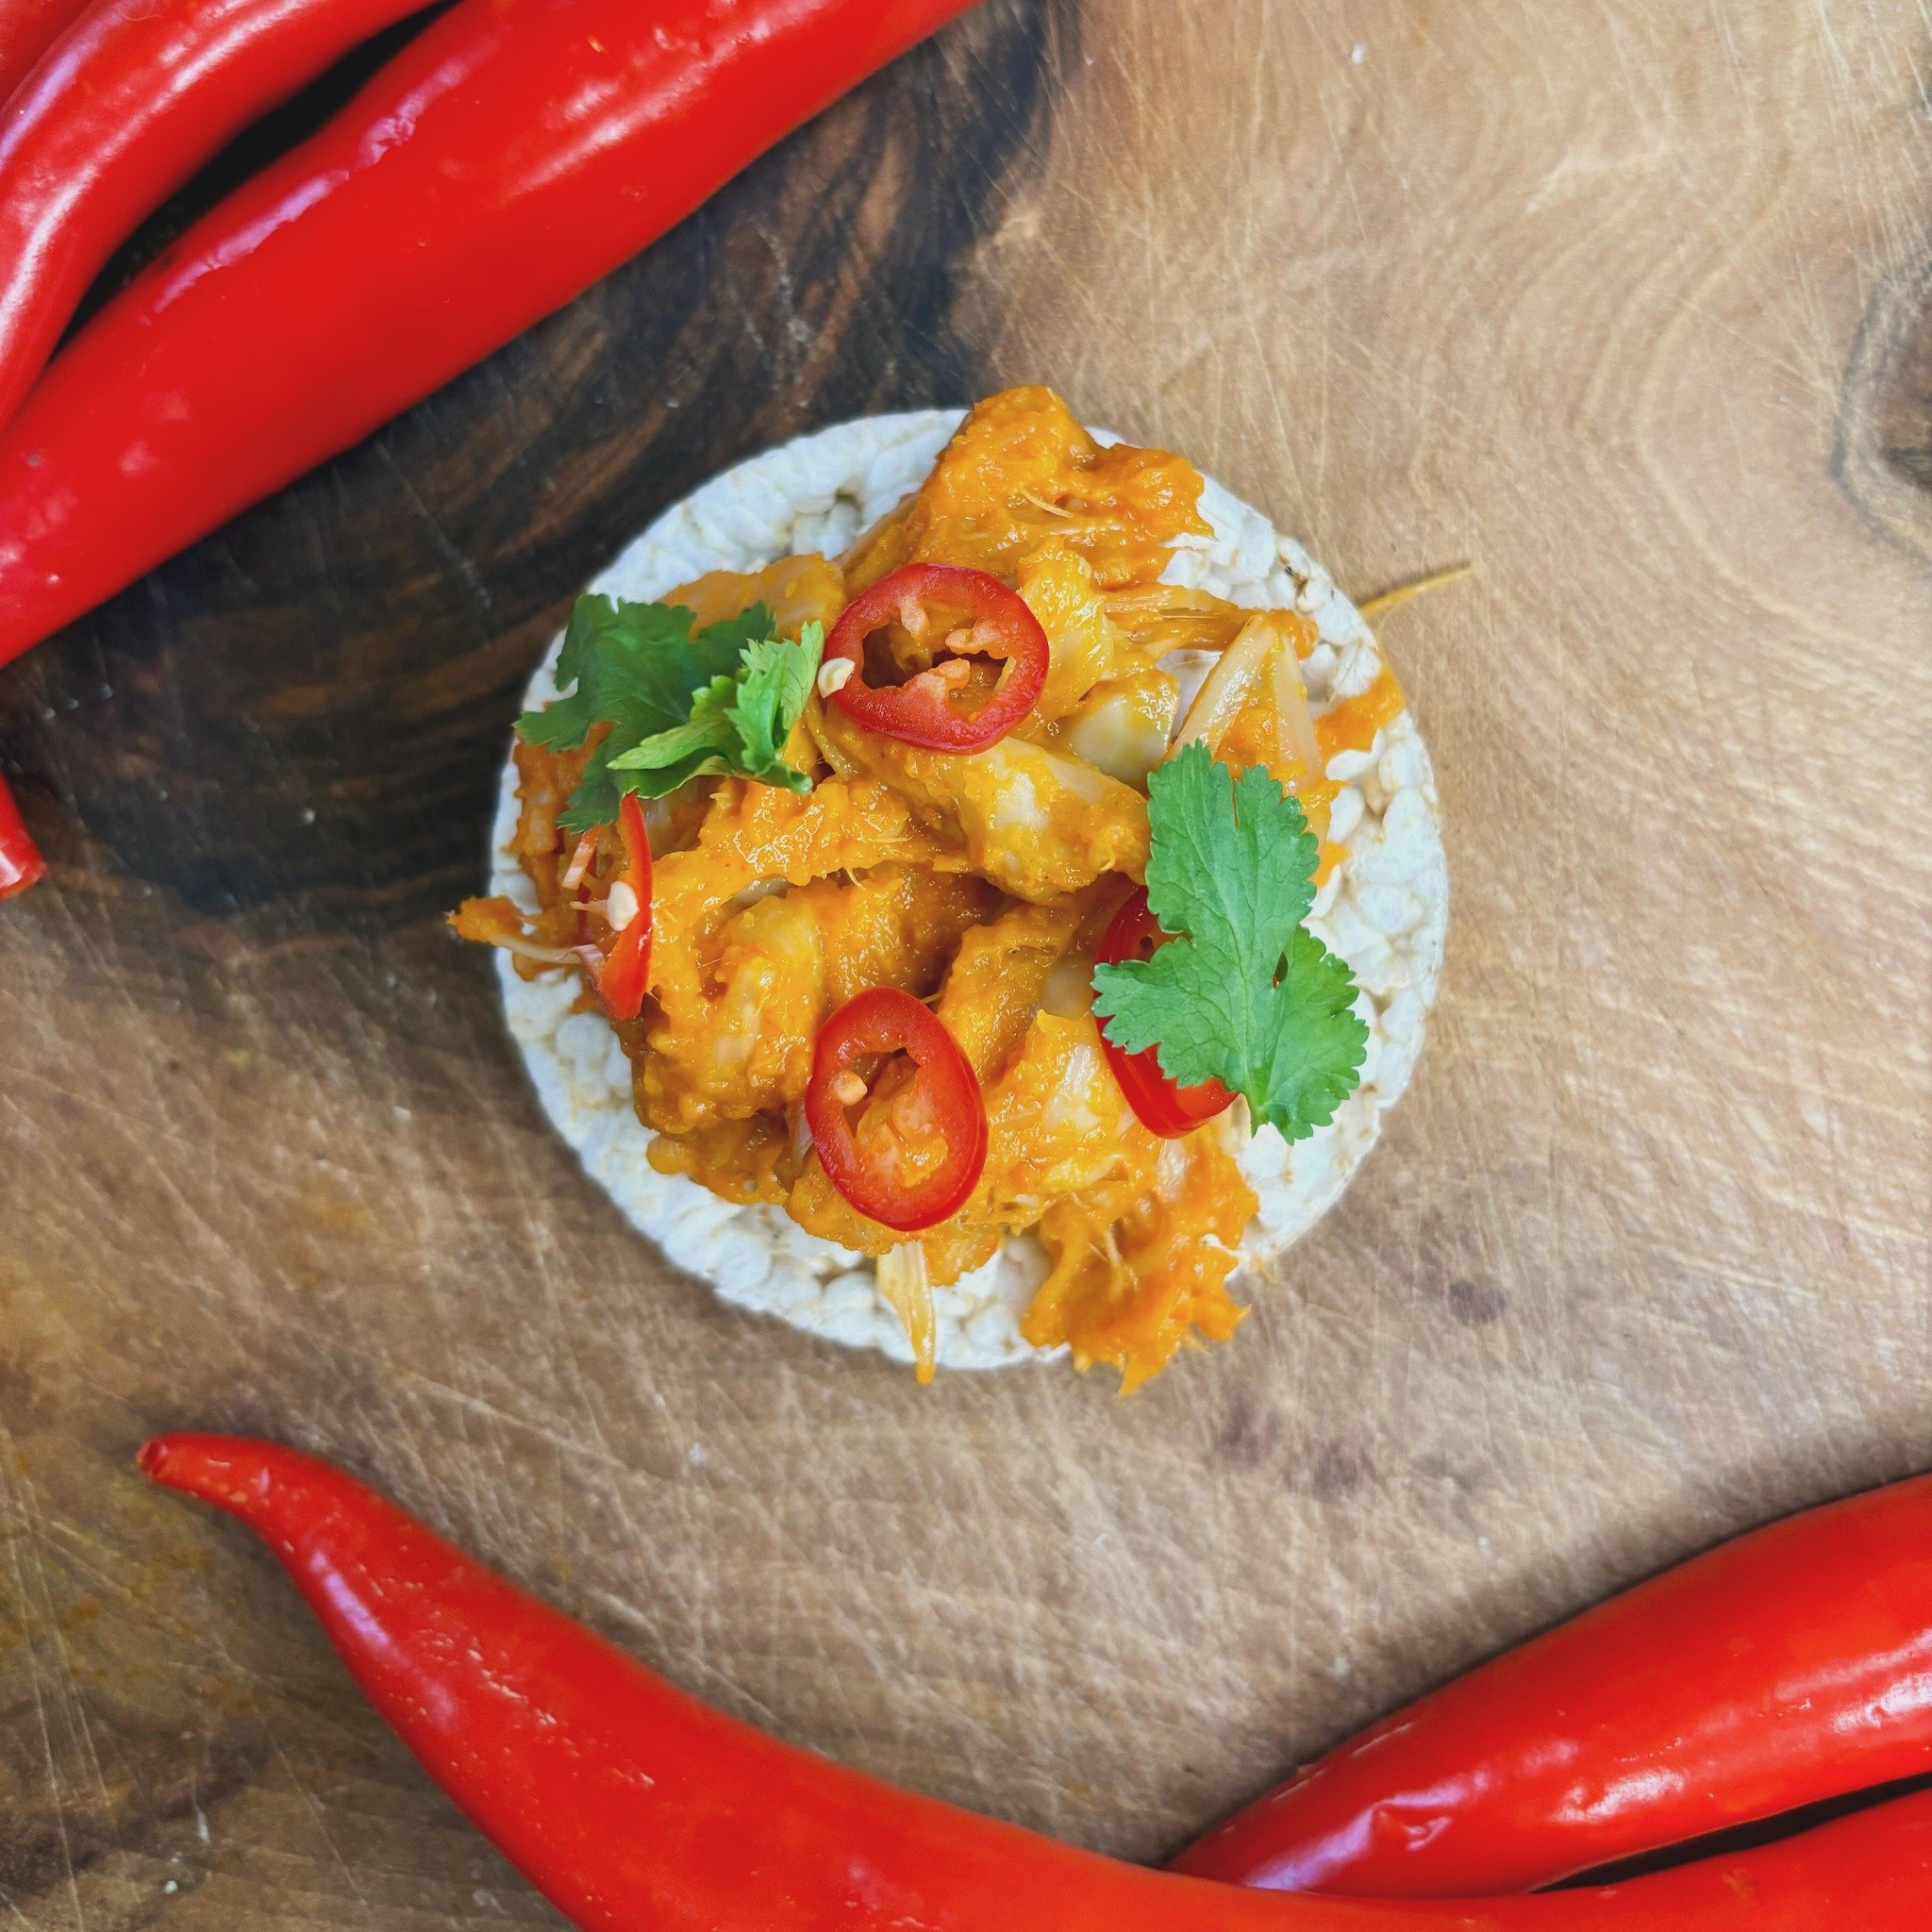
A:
(1627, 304)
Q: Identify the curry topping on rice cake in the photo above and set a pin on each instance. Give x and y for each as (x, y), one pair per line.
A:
(937, 896)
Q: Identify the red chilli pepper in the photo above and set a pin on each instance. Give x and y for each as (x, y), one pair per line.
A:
(634, 1809)
(944, 1092)
(1789, 1666)
(21, 864)
(1160, 1104)
(135, 97)
(512, 154)
(921, 712)
(27, 29)
(627, 969)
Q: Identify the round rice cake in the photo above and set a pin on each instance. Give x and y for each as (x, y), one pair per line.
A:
(1384, 908)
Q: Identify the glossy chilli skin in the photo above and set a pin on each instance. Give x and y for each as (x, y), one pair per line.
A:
(27, 29)
(634, 1809)
(1792, 1665)
(1162, 1104)
(514, 152)
(919, 711)
(137, 95)
(626, 971)
(944, 1095)
(21, 864)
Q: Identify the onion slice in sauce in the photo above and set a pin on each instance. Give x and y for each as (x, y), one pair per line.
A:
(1262, 649)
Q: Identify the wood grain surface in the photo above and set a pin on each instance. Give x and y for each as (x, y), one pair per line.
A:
(1633, 303)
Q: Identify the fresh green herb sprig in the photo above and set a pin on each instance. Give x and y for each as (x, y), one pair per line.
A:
(680, 702)
(1245, 993)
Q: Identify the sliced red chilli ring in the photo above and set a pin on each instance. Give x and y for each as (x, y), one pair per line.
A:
(956, 615)
(626, 969)
(1160, 1105)
(944, 1093)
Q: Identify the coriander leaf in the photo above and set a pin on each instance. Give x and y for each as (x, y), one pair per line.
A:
(1245, 994)
(595, 801)
(636, 669)
(773, 686)
(730, 635)
(701, 745)
(634, 666)
(737, 724)
(1241, 865)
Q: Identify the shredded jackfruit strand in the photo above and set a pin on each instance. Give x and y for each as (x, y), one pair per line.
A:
(1398, 594)
(906, 1287)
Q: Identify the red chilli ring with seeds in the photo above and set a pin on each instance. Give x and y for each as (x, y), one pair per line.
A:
(886, 1020)
(921, 712)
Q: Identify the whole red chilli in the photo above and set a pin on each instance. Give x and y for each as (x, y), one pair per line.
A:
(1792, 1665)
(634, 1809)
(136, 96)
(21, 864)
(511, 154)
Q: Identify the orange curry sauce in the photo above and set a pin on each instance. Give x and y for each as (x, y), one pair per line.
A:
(980, 883)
